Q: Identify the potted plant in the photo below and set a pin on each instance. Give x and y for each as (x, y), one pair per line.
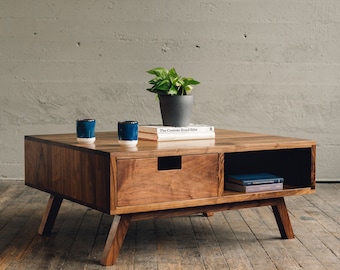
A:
(173, 93)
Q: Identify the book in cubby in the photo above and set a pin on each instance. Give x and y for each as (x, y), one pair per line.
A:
(254, 182)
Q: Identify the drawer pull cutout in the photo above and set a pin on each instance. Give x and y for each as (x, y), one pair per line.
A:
(169, 163)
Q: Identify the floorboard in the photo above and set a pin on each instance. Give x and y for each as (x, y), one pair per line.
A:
(243, 239)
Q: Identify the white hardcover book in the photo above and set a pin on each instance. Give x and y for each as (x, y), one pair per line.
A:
(192, 128)
(176, 136)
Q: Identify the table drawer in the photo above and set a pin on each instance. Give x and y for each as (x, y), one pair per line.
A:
(166, 179)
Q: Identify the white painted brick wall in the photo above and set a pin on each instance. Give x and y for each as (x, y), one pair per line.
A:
(269, 66)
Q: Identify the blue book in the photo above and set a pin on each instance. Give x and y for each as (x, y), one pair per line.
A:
(254, 179)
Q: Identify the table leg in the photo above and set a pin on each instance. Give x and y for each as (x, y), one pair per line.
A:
(208, 214)
(282, 219)
(50, 214)
(114, 241)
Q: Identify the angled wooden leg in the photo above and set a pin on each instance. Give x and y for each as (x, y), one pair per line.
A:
(50, 214)
(114, 241)
(282, 219)
(208, 214)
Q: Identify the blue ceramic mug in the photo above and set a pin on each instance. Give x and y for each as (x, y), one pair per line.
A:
(86, 130)
(128, 133)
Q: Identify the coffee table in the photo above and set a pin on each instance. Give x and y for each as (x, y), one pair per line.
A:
(164, 179)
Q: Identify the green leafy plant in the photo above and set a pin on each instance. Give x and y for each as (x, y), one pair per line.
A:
(168, 82)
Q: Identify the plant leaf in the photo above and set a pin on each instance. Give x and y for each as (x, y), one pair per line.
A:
(187, 88)
(172, 73)
(163, 85)
(173, 90)
(159, 72)
(189, 81)
(155, 80)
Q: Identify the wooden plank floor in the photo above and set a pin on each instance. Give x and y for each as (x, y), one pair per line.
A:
(245, 239)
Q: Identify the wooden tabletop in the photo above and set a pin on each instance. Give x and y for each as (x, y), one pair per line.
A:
(226, 141)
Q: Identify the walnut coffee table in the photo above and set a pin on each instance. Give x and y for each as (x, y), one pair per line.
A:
(165, 179)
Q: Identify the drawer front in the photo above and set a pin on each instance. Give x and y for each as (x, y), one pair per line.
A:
(166, 179)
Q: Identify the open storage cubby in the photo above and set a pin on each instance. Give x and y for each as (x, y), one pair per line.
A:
(294, 165)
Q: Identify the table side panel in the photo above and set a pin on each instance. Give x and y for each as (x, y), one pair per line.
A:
(313, 166)
(80, 176)
(140, 182)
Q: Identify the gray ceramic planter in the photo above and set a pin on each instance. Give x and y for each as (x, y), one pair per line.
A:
(176, 110)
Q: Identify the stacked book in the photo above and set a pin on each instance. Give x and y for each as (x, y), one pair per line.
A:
(168, 133)
(254, 182)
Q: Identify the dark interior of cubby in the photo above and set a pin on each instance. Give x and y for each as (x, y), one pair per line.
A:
(294, 165)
